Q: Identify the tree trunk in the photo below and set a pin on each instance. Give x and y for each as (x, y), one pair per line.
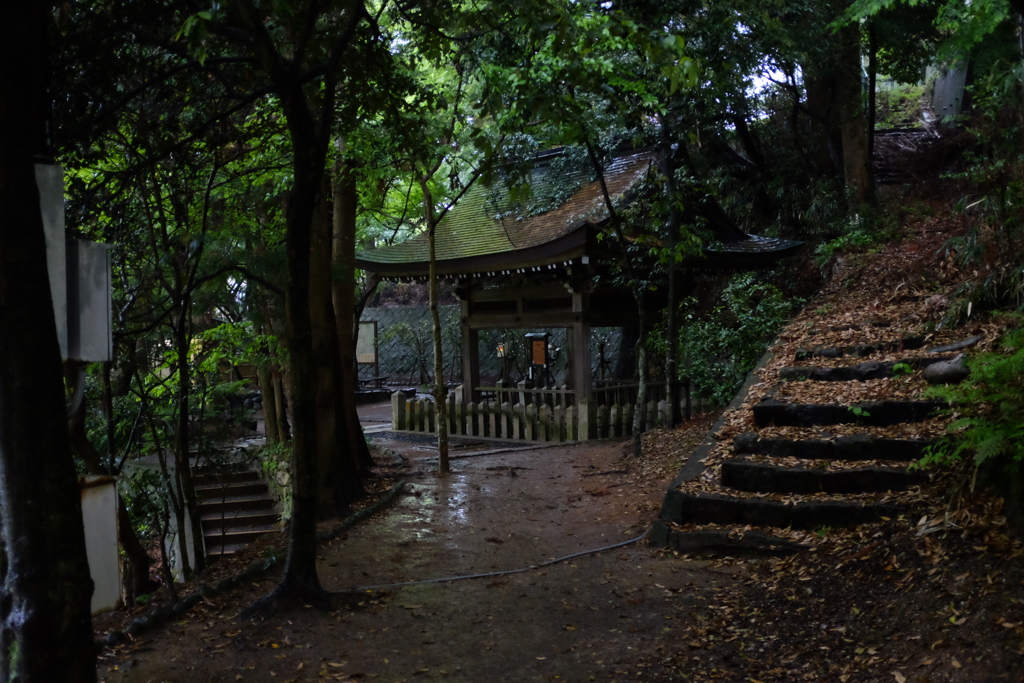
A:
(640, 414)
(667, 167)
(850, 96)
(300, 580)
(182, 463)
(343, 291)
(339, 479)
(872, 84)
(45, 589)
(440, 391)
(825, 153)
(266, 381)
(284, 431)
(440, 394)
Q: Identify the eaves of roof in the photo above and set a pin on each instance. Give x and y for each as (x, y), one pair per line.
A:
(486, 231)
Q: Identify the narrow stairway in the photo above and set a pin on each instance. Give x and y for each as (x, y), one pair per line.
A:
(235, 508)
(823, 442)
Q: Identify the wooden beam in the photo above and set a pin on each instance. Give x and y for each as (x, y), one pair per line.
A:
(517, 293)
(582, 379)
(485, 321)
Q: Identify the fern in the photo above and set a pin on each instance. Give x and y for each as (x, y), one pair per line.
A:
(990, 405)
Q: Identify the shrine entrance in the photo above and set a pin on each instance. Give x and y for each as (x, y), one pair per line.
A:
(517, 270)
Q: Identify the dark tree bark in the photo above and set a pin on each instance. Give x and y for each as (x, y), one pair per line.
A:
(307, 120)
(340, 483)
(345, 308)
(825, 140)
(850, 98)
(269, 403)
(182, 465)
(667, 166)
(284, 430)
(872, 84)
(45, 587)
(440, 393)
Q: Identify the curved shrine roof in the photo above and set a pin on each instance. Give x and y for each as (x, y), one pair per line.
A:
(487, 231)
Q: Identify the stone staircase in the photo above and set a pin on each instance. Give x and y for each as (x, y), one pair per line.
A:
(235, 508)
(795, 464)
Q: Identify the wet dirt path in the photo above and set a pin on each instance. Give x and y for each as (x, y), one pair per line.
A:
(588, 618)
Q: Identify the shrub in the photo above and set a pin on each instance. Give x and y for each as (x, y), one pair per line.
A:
(990, 404)
(724, 345)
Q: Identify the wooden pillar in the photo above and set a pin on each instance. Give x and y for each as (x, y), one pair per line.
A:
(470, 356)
(582, 382)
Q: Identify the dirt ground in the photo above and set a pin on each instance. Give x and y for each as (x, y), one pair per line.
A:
(934, 595)
(587, 618)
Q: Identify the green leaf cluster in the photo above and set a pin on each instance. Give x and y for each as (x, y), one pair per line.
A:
(724, 344)
(989, 407)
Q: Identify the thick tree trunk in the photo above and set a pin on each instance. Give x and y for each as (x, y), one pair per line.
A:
(825, 149)
(872, 85)
(343, 291)
(45, 588)
(300, 580)
(339, 479)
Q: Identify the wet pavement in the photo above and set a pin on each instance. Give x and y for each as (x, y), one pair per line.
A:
(501, 509)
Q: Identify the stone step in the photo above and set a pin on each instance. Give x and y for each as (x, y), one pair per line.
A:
(714, 508)
(873, 413)
(750, 542)
(240, 519)
(215, 539)
(212, 553)
(854, 373)
(205, 478)
(233, 490)
(861, 350)
(745, 475)
(850, 447)
(236, 504)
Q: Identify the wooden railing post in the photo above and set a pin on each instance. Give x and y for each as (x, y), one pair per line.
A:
(587, 419)
(398, 419)
(459, 411)
(523, 386)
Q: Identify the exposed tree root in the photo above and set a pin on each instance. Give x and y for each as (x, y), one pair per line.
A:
(290, 594)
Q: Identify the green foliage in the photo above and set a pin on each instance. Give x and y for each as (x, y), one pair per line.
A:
(992, 248)
(864, 232)
(725, 344)
(144, 494)
(274, 462)
(858, 411)
(901, 370)
(962, 25)
(899, 107)
(990, 405)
